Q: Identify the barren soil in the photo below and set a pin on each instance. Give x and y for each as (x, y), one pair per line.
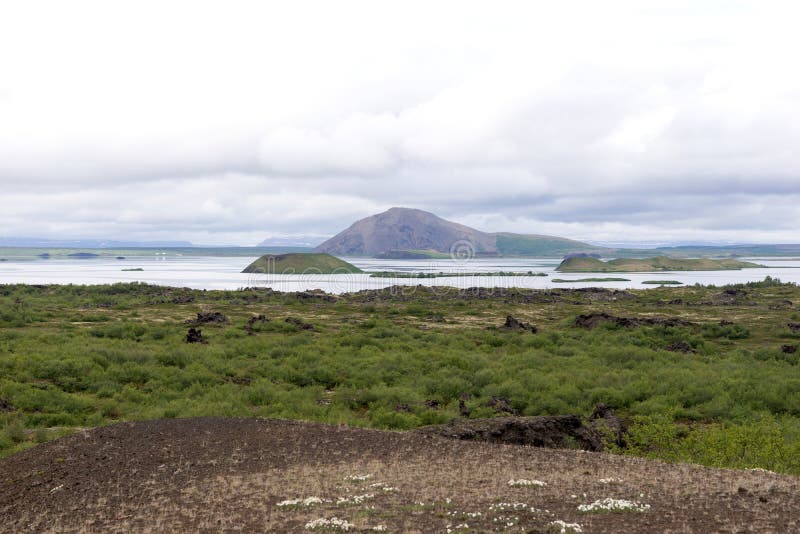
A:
(222, 474)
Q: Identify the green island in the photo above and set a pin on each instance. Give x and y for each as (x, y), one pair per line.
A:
(300, 263)
(663, 282)
(133, 269)
(700, 374)
(397, 274)
(588, 264)
(609, 279)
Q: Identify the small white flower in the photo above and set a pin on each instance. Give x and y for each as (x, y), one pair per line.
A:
(503, 506)
(334, 523)
(308, 501)
(355, 499)
(383, 487)
(613, 505)
(526, 482)
(565, 527)
(610, 480)
(380, 528)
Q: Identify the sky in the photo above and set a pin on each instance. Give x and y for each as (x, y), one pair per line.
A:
(230, 122)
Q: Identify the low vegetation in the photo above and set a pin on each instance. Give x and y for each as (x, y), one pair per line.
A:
(588, 264)
(703, 374)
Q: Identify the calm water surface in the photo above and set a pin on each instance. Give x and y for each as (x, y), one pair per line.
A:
(225, 273)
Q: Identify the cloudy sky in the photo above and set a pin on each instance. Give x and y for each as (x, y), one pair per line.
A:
(227, 122)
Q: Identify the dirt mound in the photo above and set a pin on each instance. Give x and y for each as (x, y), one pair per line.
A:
(592, 320)
(252, 475)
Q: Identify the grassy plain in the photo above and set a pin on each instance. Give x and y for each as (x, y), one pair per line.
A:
(73, 357)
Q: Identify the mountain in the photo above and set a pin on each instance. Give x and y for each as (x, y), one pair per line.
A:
(405, 232)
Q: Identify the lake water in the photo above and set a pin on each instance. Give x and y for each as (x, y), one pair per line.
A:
(225, 273)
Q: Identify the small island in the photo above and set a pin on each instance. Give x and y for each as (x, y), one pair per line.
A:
(300, 263)
(587, 264)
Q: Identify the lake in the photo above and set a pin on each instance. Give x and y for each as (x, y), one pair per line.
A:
(215, 272)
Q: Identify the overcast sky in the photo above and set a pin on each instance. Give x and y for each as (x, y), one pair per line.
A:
(228, 122)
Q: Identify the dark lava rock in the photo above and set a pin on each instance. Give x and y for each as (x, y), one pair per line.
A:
(314, 294)
(735, 292)
(402, 407)
(6, 406)
(788, 349)
(433, 404)
(208, 318)
(725, 322)
(603, 420)
(462, 408)
(501, 405)
(251, 322)
(679, 346)
(794, 327)
(556, 432)
(513, 324)
(299, 323)
(182, 299)
(591, 320)
(195, 335)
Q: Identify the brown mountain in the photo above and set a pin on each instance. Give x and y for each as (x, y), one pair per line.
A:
(404, 231)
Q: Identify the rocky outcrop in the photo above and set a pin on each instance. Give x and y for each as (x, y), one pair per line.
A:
(195, 335)
(592, 320)
(514, 324)
(555, 432)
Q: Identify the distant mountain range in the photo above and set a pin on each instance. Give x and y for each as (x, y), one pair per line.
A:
(86, 243)
(412, 233)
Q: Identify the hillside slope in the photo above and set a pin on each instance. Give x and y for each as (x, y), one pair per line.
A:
(251, 475)
(404, 232)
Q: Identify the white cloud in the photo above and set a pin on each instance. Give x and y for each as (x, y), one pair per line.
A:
(225, 121)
